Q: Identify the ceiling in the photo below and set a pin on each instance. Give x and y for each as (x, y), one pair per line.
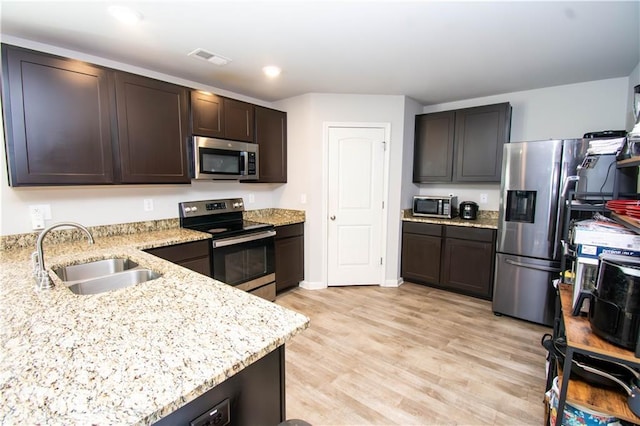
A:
(432, 51)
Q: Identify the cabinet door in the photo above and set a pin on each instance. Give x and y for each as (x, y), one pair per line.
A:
(207, 114)
(421, 258)
(468, 267)
(433, 148)
(289, 253)
(238, 120)
(58, 120)
(271, 137)
(152, 130)
(480, 135)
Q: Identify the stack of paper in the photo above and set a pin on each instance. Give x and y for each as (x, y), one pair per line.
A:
(605, 146)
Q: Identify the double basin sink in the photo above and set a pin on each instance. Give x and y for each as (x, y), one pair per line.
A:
(103, 275)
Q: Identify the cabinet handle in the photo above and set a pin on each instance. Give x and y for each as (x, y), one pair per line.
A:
(332, 217)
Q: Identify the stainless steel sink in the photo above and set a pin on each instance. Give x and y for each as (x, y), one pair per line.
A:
(103, 275)
(114, 281)
(99, 268)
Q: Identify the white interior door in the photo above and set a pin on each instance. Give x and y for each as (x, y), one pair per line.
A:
(355, 205)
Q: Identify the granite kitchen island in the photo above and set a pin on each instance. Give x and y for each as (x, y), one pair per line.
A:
(127, 356)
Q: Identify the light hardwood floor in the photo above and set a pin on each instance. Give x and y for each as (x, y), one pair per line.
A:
(411, 355)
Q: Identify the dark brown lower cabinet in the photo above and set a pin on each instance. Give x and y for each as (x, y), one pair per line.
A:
(254, 396)
(195, 255)
(456, 258)
(421, 249)
(467, 261)
(289, 256)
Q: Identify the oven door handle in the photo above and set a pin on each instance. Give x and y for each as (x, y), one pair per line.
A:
(243, 239)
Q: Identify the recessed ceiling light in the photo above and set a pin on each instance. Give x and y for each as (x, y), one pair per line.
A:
(125, 14)
(271, 71)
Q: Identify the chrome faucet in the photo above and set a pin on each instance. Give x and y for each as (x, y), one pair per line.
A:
(43, 282)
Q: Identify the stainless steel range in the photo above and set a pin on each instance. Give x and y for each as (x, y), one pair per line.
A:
(242, 251)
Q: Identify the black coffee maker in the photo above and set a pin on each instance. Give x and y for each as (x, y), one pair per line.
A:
(614, 305)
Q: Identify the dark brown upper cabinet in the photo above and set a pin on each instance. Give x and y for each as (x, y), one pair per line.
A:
(207, 114)
(238, 120)
(462, 145)
(271, 137)
(152, 130)
(219, 117)
(433, 151)
(57, 116)
(73, 123)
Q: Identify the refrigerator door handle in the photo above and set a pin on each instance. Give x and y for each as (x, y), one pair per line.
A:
(554, 207)
(532, 266)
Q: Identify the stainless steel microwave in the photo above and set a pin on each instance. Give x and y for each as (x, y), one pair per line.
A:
(444, 207)
(224, 159)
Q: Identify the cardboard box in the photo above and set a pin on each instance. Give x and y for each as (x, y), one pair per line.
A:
(613, 238)
(593, 251)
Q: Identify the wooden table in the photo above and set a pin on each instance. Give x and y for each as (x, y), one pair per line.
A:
(581, 339)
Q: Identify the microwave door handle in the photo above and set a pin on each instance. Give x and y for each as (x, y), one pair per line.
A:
(244, 163)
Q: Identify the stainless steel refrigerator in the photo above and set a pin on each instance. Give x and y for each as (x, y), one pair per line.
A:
(535, 177)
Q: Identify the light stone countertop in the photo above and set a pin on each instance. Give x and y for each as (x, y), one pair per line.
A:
(276, 217)
(486, 219)
(128, 356)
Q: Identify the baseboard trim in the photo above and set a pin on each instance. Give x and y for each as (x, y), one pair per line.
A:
(312, 285)
(393, 283)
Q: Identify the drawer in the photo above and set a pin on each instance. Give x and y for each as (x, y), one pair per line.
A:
(469, 233)
(180, 252)
(286, 231)
(422, 228)
(267, 292)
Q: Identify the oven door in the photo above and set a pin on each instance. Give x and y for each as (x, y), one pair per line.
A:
(246, 262)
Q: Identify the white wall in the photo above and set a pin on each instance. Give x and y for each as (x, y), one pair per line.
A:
(104, 205)
(559, 112)
(307, 165)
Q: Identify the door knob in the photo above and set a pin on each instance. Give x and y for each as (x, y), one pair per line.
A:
(333, 217)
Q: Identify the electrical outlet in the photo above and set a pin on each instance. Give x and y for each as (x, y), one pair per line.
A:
(148, 205)
(303, 198)
(37, 215)
(251, 199)
(484, 198)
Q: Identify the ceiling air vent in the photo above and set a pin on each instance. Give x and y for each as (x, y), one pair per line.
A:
(210, 57)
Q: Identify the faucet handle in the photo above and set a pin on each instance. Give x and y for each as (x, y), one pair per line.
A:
(35, 263)
(43, 282)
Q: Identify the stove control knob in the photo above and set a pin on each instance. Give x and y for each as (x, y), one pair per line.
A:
(237, 205)
(187, 209)
(194, 209)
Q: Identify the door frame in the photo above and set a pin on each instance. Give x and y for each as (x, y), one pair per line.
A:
(325, 192)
